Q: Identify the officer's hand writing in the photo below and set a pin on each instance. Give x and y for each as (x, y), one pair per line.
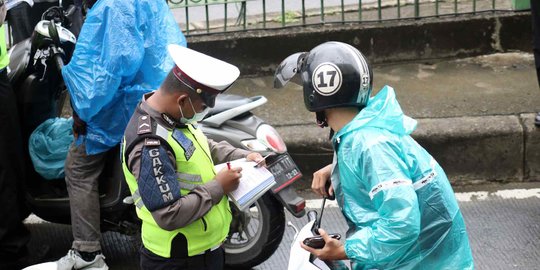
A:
(333, 249)
(319, 181)
(229, 179)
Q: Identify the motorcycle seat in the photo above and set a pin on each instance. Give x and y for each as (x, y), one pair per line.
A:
(226, 102)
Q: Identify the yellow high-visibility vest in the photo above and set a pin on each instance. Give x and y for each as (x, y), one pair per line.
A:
(4, 59)
(202, 234)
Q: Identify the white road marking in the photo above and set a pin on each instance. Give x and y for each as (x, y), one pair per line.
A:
(317, 203)
(504, 194)
(461, 197)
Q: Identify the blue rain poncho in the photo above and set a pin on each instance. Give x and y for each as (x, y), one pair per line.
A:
(398, 203)
(120, 55)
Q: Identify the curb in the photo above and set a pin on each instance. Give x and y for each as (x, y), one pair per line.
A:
(472, 150)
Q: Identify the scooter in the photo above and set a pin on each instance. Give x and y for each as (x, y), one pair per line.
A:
(301, 259)
(255, 233)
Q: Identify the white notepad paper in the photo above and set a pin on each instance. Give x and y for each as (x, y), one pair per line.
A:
(255, 181)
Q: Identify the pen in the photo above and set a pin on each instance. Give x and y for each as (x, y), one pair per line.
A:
(228, 165)
(259, 162)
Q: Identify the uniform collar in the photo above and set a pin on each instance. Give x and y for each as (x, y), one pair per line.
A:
(161, 118)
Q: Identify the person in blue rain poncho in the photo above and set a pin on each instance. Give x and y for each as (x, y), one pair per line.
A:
(396, 199)
(120, 55)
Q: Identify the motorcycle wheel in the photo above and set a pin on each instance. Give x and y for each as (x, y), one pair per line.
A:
(255, 233)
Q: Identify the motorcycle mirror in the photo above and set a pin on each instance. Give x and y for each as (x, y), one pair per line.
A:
(312, 215)
(53, 32)
(53, 13)
(317, 223)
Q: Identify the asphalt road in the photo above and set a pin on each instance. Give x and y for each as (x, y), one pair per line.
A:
(503, 223)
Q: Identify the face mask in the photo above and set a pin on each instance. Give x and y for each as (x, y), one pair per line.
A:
(197, 116)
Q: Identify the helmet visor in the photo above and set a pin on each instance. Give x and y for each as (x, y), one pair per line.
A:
(288, 68)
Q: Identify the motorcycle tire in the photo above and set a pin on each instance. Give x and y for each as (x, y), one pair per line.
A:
(266, 239)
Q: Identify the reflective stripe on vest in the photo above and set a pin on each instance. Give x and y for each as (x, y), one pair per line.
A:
(188, 177)
(4, 58)
(199, 169)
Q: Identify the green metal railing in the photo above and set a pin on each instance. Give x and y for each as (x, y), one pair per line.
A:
(203, 17)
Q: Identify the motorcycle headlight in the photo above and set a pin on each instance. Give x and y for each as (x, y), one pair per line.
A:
(268, 136)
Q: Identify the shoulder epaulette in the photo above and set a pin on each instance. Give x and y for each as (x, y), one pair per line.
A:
(145, 125)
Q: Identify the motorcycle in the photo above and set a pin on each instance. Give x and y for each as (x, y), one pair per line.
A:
(301, 259)
(35, 73)
(256, 232)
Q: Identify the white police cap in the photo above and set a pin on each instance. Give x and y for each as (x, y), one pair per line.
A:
(205, 75)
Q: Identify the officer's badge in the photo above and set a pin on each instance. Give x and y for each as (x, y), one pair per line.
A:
(152, 142)
(168, 119)
(184, 142)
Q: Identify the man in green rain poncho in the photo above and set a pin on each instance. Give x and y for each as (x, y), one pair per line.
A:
(396, 199)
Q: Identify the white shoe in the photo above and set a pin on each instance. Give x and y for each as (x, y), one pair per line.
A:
(73, 260)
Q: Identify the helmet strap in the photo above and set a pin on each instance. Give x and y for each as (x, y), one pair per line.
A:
(331, 135)
(321, 119)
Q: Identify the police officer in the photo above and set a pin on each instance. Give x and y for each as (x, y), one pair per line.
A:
(169, 166)
(400, 207)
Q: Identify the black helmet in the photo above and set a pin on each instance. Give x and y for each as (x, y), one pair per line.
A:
(333, 74)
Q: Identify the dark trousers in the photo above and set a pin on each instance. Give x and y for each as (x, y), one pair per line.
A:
(19, 18)
(13, 234)
(211, 260)
(535, 12)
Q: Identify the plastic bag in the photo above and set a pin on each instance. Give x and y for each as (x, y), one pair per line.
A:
(48, 146)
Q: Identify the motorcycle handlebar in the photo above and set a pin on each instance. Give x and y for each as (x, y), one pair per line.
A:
(58, 61)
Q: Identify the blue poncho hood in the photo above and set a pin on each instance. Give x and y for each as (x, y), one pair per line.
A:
(382, 111)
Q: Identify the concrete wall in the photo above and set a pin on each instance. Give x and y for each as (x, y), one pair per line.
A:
(258, 52)
(472, 150)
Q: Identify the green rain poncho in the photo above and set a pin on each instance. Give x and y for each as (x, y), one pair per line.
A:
(398, 203)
